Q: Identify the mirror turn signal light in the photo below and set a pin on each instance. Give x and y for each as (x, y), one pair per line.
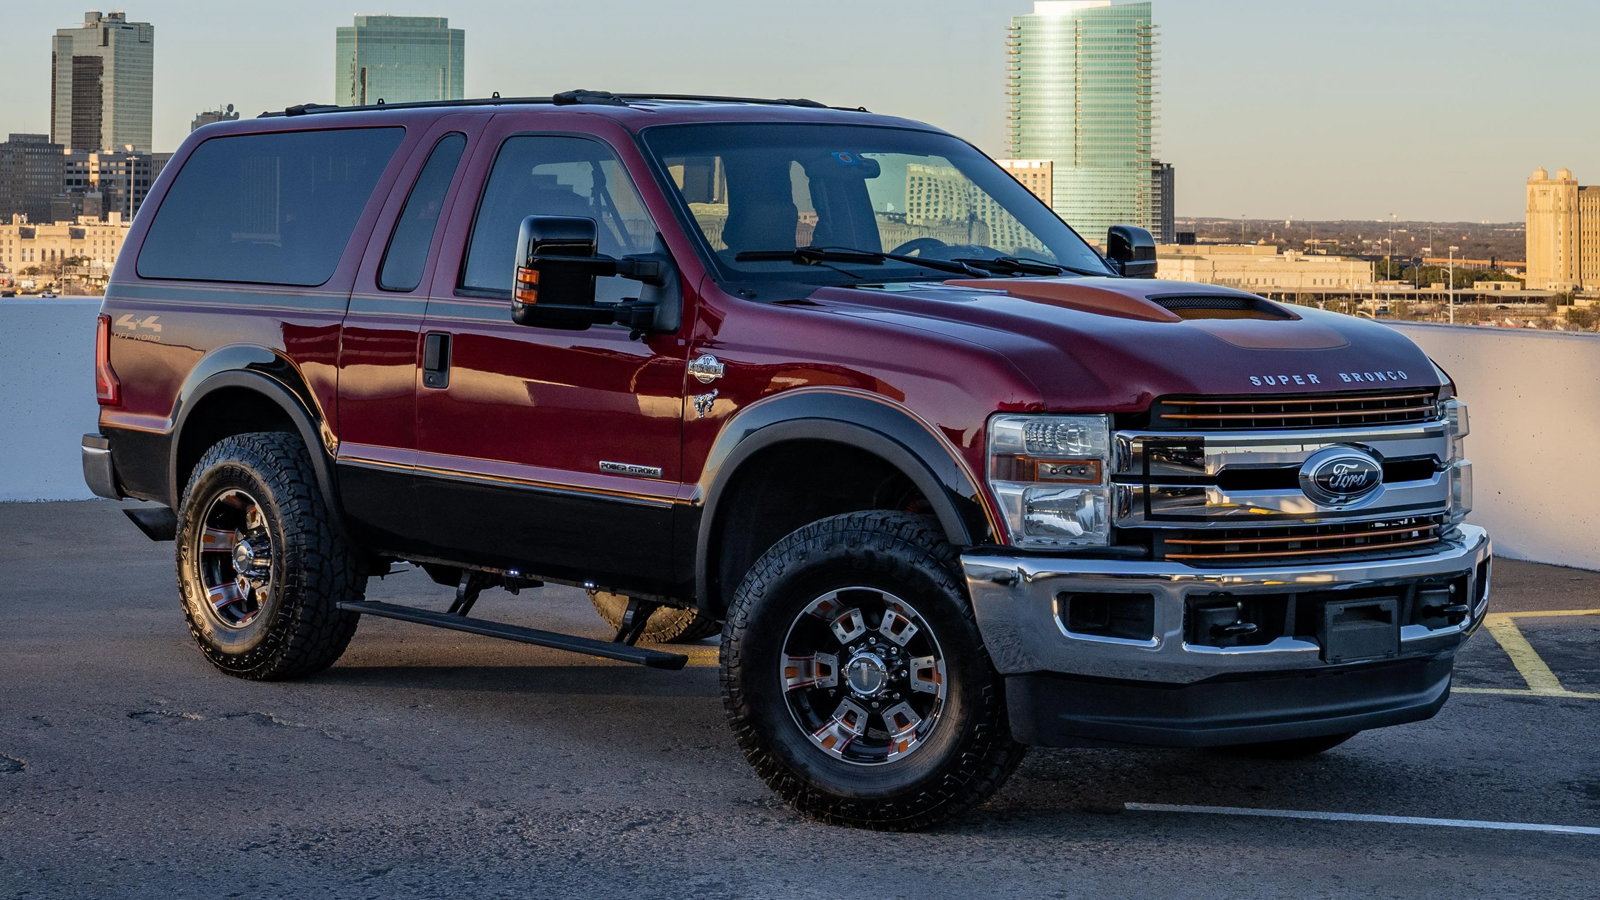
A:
(527, 287)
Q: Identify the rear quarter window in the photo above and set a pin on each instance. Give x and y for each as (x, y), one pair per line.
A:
(266, 208)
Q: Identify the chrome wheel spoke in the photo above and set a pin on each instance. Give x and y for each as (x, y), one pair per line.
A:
(849, 722)
(224, 594)
(926, 674)
(902, 722)
(849, 625)
(819, 670)
(216, 540)
(897, 624)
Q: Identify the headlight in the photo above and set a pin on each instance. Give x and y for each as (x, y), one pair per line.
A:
(1455, 416)
(1048, 474)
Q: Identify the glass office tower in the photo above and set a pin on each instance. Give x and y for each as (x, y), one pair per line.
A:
(398, 59)
(1082, 88)
(101, 84)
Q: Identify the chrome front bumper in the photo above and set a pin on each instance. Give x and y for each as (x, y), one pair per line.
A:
(1015, 600)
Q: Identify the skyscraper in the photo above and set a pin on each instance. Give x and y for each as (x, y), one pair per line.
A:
(1164, 181)
(398, 59)
(30, 174)
(101, 84)
(1081, 87)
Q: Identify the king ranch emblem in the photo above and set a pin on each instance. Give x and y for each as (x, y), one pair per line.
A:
(1340, 476)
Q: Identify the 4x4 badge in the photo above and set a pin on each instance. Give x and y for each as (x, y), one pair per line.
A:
(706, 369)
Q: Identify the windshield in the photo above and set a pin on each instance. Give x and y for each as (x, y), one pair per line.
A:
(753, 189)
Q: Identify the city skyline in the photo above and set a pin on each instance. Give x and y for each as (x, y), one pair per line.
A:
(1432, 111)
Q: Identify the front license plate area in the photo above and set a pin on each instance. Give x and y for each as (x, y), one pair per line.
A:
(1356, 630)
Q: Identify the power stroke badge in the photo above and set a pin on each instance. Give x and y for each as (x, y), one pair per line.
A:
(1341, 476)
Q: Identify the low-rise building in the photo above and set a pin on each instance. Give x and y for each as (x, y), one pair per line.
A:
(82, 250)
(1264, 269)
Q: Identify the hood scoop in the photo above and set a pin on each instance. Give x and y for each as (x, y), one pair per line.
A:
(1221, 306)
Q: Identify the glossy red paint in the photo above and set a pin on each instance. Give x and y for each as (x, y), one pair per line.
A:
(544, 407)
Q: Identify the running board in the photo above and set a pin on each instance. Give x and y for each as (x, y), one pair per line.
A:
(654, 659)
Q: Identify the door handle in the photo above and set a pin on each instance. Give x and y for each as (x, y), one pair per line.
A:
(436, 360)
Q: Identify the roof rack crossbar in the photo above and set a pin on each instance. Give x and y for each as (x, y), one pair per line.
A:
(565, 98)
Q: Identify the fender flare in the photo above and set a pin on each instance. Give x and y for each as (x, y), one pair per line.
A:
(263, 372)
(857, 419)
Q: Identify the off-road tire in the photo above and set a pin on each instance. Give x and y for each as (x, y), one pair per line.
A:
(299, 629)
(968, 755)
(1296, 748)
(667, 625)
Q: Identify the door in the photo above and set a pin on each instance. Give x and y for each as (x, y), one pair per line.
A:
(379, 341)
(553, 452)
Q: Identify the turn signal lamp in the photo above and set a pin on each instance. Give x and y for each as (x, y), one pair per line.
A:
(527, 287)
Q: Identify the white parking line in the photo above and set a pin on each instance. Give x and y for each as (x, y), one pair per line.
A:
(1358, 817)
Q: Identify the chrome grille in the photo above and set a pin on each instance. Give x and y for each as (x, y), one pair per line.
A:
(1297, 542)
(1294, 412)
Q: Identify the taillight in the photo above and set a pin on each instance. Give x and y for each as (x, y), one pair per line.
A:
(106, 387)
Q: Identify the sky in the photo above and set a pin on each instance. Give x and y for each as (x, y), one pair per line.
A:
(1357, 109)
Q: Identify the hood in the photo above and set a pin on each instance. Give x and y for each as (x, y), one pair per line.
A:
(1113, 345)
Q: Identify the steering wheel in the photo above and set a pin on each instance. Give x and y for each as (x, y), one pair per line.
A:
(916, 245)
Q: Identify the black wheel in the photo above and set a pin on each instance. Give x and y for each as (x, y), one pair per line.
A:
(667, 625)
(855, 680)
(261, 568)
(1298, 748)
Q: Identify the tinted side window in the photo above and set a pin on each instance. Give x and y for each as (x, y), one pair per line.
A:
(556, 176)
(407, 254)
(268, 208)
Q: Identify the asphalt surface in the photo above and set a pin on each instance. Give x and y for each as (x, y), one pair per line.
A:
(432, 763)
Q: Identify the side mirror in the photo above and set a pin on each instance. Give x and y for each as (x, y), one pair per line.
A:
(554, 282)
(552, 288)
(1133, 250)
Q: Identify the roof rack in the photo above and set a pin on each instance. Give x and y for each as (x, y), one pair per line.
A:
(565, 98)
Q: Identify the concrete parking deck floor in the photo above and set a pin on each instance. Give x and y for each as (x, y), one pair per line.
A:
(431, 763)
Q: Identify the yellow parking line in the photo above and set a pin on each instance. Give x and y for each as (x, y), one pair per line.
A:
(1543, 614)
(1517, 692)
(1532, 669)
(1541, 681)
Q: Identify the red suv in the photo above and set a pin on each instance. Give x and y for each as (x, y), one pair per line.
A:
(947, 480)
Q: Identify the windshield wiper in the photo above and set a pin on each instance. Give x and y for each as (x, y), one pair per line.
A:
(1028, 266)
(811, 256)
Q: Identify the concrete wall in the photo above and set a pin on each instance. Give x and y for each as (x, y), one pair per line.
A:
(1534, 399)
(1534, 402)
(46, 396)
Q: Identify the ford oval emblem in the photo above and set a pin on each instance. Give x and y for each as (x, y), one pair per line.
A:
(1340, 476)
